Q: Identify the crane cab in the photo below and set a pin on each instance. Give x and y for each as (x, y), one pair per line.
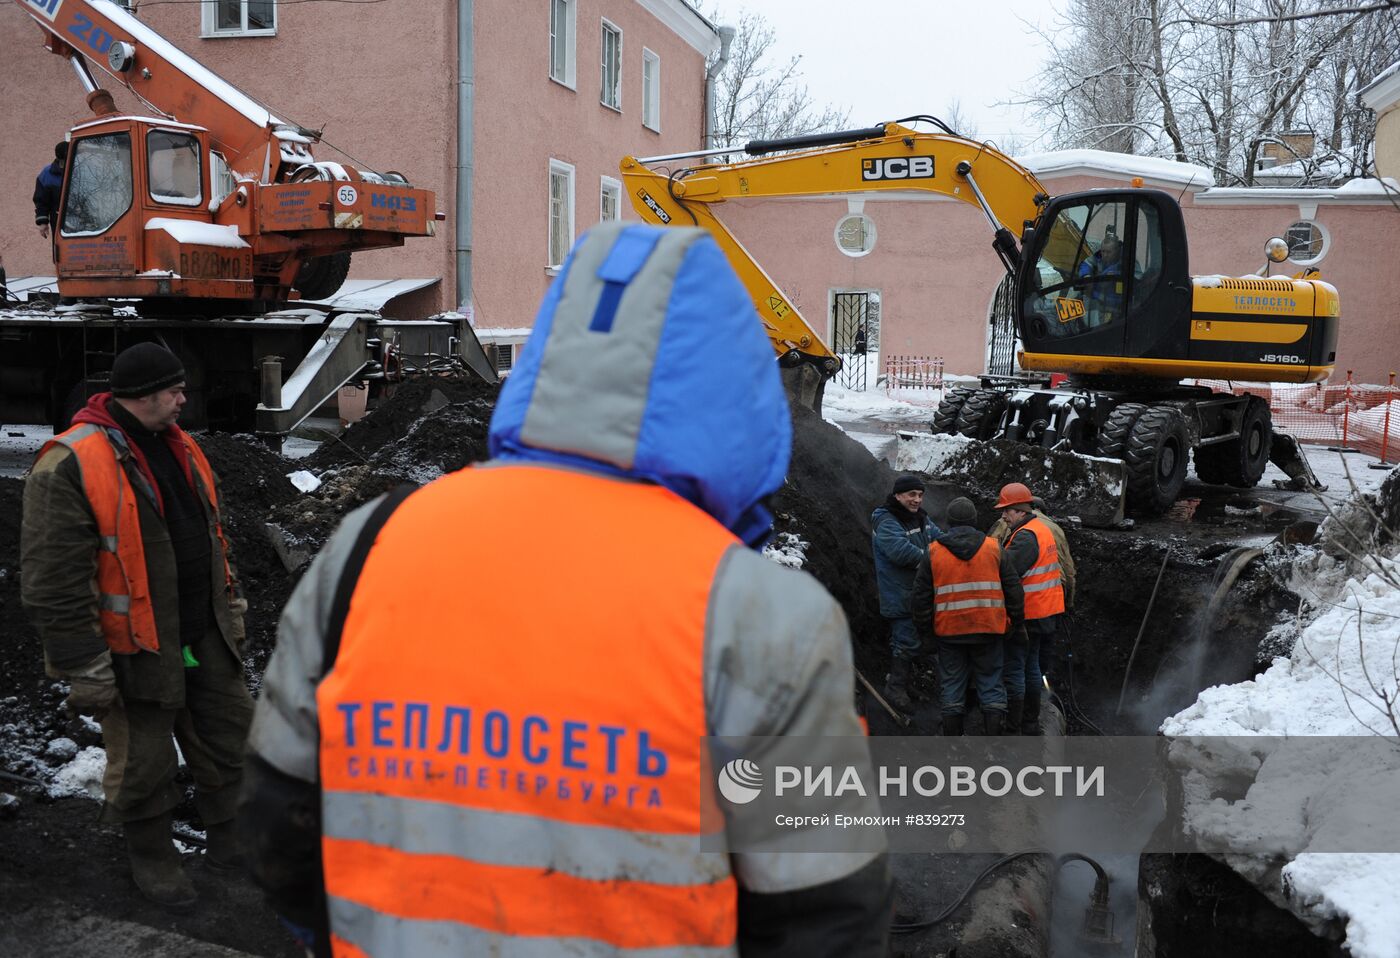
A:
(136, 217)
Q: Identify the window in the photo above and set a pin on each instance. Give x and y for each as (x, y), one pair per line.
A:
(611, 93)
(651, 90)
(1307, 242)
(505, 357)
(562, 20)
(221, 181)
(247, 18)
(610, 200)
(99, 184)
(855, 234)
(172, 168)
(1080, 280)
(561, 212)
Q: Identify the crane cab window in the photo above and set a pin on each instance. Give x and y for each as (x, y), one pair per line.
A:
(99, 184)
(173, 168)
(1083, 271)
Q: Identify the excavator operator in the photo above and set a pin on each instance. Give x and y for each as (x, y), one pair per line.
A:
(1103, 272)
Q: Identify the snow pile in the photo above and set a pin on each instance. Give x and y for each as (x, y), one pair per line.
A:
(787, 549)
(81, 777)
(1306, 793)
(304, 481)
(932, 454)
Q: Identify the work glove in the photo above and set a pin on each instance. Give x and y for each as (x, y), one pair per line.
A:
(237, 607)
(94, 688)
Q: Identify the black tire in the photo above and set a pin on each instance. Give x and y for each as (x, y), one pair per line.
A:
(321, 276)
(1113, 437)
(945, 420)
(980, 417)
(1156, 456)
(1240, 462)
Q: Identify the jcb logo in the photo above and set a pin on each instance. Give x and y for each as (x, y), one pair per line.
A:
(897, 168)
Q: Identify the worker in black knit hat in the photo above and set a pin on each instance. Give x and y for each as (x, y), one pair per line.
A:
(900, 535)
(124, 506)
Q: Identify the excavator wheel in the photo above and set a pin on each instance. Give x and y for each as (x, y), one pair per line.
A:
(1113, 437)
(1156, 455)
(321, 276)
(980, 416)
(945, 420)
(1240, 462)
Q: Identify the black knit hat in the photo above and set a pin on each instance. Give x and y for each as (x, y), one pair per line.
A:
(961, 512)
(908, 483)
(144, 369)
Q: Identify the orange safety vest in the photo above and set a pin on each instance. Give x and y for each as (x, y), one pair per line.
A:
(124, 610)
(511, 735)
(1045, 593)
(967, 596)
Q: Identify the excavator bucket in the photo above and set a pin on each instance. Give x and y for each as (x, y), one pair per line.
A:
(1090, 487)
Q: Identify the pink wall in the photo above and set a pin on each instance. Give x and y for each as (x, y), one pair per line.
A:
(384, 84)
(523, 119)
(936, 271)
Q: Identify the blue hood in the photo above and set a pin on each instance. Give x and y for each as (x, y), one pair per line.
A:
(648, 360)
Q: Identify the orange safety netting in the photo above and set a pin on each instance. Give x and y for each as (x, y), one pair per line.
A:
(1348, 415)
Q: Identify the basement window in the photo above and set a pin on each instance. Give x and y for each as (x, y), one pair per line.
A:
(505, 357)
(239, 18)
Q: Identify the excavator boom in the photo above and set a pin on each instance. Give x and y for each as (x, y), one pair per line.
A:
(885, 158)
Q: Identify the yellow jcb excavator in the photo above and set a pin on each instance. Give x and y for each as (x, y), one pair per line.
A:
(1102, 293)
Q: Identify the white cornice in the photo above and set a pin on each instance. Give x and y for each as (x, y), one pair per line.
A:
(1266, 196)
(1384, 91)
(685, 22)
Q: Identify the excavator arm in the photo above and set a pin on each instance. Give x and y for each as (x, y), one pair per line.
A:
(881, 159)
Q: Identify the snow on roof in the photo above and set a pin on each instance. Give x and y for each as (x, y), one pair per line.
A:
(371, 295)
(1353, 192)
(495, 334)
(1091, 162)
(202, 234)
(1384, 90)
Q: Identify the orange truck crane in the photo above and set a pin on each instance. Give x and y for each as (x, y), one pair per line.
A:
(211, 206)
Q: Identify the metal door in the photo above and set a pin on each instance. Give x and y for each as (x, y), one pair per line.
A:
(1001, 332)
(852, 336)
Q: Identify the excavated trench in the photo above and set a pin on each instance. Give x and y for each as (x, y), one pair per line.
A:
(1193, 906)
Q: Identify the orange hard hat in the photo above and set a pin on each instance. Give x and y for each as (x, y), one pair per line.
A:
(1014, 494)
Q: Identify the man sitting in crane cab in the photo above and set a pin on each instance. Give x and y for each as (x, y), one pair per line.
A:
(1103, 273)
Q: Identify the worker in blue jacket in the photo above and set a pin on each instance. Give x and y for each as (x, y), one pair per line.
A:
(901, 533)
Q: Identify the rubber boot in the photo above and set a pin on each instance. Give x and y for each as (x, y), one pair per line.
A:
(992, 720)
(897, 684)
(1030, 721)
(222, 853)
(952, 724)
(155, 863)
(1014, 710)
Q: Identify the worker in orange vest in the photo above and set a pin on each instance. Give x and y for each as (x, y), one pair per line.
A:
(127, 580)
(967, 597)
(1036, 558)
(469, 743)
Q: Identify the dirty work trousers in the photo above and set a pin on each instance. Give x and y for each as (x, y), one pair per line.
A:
(959, 662)
(1022, 668)
(211, 729)
(904, 639)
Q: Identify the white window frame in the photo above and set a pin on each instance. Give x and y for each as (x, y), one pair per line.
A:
(565, 73)
(609, 186)
(504, 357)
(209, 21)
(558, 167)
(609, 27)
(651, 106)
(1322, 250)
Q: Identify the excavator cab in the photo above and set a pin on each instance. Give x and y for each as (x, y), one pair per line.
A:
(1104, 276)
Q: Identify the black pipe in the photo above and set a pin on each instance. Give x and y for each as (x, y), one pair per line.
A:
(760, 147)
